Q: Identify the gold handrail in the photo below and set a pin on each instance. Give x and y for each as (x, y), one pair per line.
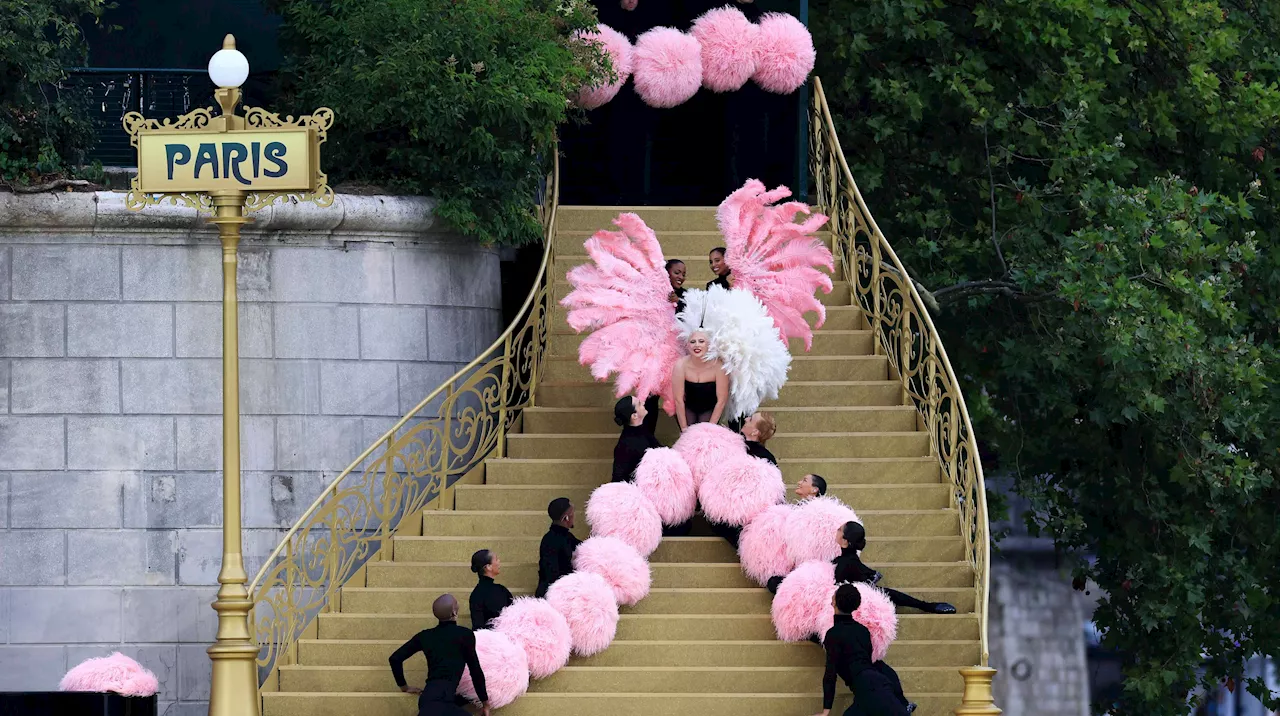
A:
(888, 298)
(348, 526)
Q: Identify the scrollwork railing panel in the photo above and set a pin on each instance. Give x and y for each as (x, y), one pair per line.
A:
(906, 336)
(446, 436)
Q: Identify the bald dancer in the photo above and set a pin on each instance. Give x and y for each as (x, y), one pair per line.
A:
(449, 649)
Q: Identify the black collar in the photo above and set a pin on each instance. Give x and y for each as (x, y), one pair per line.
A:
(450, 622)
(557, 527)
(844, 618)
(484, 578)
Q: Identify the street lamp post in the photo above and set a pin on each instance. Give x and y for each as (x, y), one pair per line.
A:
(230, 165)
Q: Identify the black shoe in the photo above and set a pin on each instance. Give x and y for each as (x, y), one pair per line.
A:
(911, 708)
(943, 608)
(875, 578)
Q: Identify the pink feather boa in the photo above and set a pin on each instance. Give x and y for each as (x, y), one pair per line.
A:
(116, 674)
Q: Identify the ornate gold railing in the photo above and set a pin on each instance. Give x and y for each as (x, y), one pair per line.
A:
(447, 435)
(888, 298)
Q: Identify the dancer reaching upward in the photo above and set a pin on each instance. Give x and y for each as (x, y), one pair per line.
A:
(637, 435)
(699, 384)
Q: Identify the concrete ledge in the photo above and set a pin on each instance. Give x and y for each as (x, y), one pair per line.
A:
(102, 216)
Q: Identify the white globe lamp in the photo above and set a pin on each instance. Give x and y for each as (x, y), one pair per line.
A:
(228, 68)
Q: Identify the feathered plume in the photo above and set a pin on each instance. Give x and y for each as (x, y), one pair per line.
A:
(744, 338)
(622, 297)
(775, 258)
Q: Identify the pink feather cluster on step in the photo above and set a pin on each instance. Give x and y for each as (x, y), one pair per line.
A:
(775, 258)
(802, 606)
(784, 54)
(706, 444)
(115, 674)
(664, 477)
(587, 603)
(738, 488)
(618, 48)
(811, 529)
(619, 563)
(880, 617)
(666, 67)
(620, 509)
(762, 546)
(728, 42)
(541, 631)
(505, 666)
(621, 296)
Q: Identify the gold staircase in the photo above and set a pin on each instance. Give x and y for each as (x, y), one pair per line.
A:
(880, 418)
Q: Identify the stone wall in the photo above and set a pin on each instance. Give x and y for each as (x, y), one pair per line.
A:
(110, 396)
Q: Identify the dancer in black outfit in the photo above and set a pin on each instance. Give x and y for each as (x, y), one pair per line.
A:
(758, 430)
(877, 691)
(676, 272)
(849, 568)
(719, 268)
(637, 435)
(555, 555)
(489, 598)
(449, 649)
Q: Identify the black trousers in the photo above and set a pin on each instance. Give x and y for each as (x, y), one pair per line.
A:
(439, 698)
(877, 692)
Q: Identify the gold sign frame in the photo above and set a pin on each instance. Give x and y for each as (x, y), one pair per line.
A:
(204, 120)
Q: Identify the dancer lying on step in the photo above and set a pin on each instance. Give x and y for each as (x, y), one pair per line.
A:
(852, 538)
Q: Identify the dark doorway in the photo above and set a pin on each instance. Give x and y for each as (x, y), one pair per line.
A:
(692, 155)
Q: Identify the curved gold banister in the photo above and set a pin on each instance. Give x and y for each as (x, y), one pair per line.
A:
(349, 525)
(884, 290)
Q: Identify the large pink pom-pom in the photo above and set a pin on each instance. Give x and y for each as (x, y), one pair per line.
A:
(880, 618)
(738, 489)
(664, 477)
(784, 53)
(541, 631)
(667, 67)
(505, 666)
(728, 42)
(587, 603)
(802, 606)
(618, 48)
(811, 529)
(620, 509)
(116, 673)
(620, 565)
(707, 444)
(762, 546)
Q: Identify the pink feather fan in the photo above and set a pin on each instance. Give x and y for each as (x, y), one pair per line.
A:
(622, 298)
(618, 48)
(665, 478)
(775, 258)
(802, 606)
(879, 616)
(541, 631)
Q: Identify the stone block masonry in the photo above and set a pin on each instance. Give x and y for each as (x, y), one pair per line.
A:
(111, 395)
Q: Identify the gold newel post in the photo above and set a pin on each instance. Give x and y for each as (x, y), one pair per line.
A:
(230, 165)
(978, 698)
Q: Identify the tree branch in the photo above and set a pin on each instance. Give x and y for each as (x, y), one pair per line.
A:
(51, 185)
(991, 190)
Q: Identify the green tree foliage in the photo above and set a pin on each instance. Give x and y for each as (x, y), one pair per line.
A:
(458, 99)
(41, 132)
(1087, 188)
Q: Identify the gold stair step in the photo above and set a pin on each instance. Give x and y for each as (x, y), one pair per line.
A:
(658, 218)
(564, 343)
(625, 679)
(879, 523)
(867, 470)
(674, 243)
(598, 446)
(859, 497)
(406, 600)
(671, 627)
(726, 575)
(839, 296)
(790, 419)
(673, 549)
(593, 704)
(374, 652)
